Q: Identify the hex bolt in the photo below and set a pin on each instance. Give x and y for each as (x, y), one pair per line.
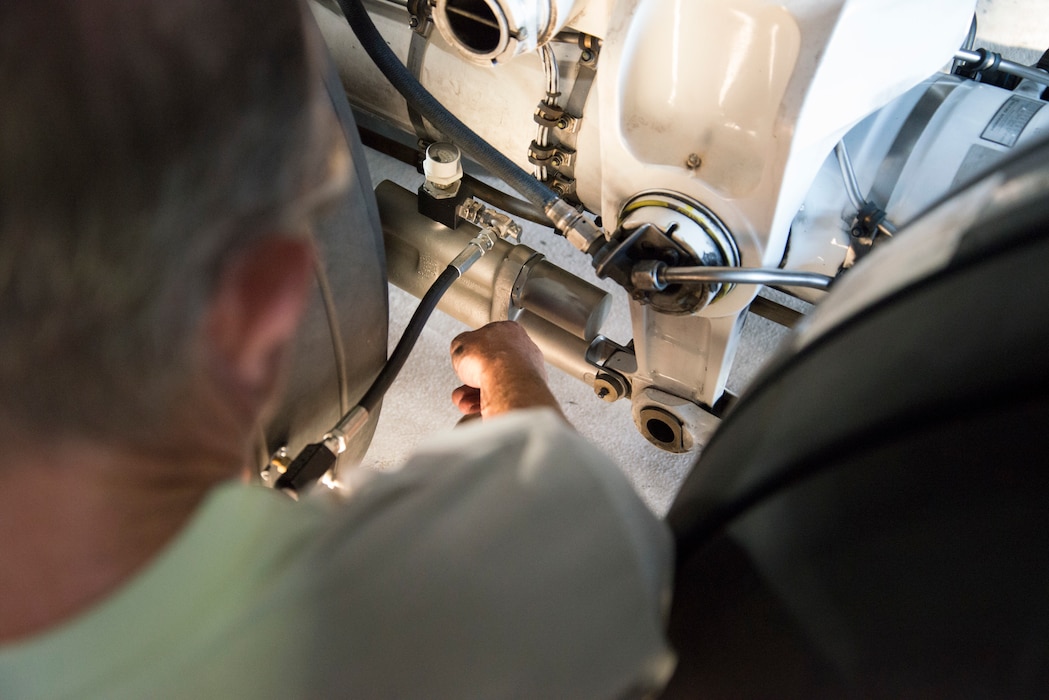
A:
(693, 161)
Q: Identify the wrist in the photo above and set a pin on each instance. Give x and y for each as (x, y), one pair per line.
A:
(515, 387)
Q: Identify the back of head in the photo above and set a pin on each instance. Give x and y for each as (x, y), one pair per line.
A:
(142, 143)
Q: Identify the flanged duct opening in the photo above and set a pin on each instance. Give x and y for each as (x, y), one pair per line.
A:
(660, 430)
(476, 26)
(495, 31)
(663, 429)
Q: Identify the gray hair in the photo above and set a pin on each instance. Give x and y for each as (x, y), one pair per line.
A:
(141, 144)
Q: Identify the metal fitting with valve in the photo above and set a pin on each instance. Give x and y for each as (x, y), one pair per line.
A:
(442, 193)
(444, 198)
(660, 230)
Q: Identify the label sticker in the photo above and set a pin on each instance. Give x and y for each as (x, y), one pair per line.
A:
(1010, 119)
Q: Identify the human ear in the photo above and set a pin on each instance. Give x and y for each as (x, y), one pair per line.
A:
(259, 298)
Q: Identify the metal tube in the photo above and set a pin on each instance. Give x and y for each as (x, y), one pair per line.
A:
(995, 61)
(553, 90)
(848, 174)
(970, 39)
(737, 275)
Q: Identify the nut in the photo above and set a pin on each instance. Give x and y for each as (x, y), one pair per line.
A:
(608, 387)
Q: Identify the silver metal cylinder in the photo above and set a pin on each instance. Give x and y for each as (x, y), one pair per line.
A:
(512, 282)
(563, 350)
(563, 299)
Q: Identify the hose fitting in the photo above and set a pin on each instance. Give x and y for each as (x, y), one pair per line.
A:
(579, 230)
(474, 250)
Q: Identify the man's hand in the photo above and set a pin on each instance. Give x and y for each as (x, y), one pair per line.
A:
(501, 370)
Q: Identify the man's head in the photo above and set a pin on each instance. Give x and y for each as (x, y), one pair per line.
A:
(150, 152)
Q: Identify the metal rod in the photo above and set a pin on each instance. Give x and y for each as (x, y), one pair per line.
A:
(970, 39)
(986, 60)
(737, 275)
(848, 174)
(553, 90)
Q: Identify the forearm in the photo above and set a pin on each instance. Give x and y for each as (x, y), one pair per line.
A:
(509, 387)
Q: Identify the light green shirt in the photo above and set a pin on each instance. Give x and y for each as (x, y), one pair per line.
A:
(509, 559)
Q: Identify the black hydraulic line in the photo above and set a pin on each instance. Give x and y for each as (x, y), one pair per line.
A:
(393, 366)
(318, 457)
(426, 104)
(520, 208)
(312, 463)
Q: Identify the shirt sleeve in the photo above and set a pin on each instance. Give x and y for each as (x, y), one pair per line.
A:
(506, 559)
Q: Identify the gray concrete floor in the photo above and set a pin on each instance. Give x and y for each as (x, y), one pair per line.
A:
(419, 404)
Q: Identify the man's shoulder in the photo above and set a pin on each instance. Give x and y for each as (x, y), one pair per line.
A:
(509, 558)
(526, 462)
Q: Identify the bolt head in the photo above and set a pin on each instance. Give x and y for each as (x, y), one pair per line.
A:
(606, 388)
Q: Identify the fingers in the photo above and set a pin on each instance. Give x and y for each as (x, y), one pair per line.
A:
(468, 361)
(501, 369)
(494, 348)
(468, 400)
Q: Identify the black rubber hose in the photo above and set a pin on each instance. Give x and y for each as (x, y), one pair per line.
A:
(426, 104)
(317, 458)
(520, 208)
(372, 397)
